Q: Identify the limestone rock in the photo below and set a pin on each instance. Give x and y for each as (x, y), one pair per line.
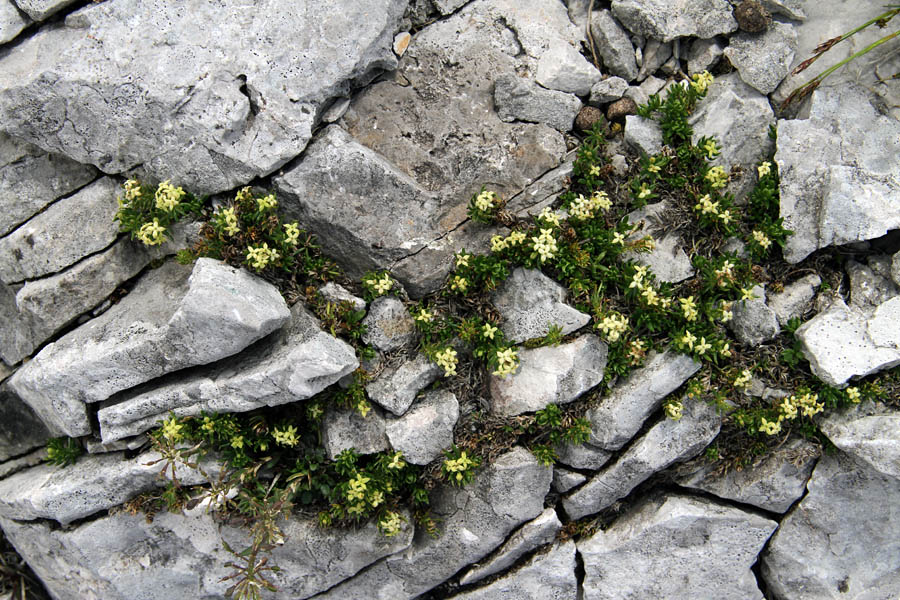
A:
(333, 292)
(232, 114)
(40, 10)
(561, 67)
(754, 322)
(530, 303)
(174, 318)
(763, 60)
(389, 325)
(12, 22)
(13, 465)
(795, 299)
(294, 364)
(792, 9)
(546, 576)
(94, 483)
(426, 430)
(582, 456)
(838, 171)
(641, 94)
(668, 260)
(838, 345)
(546, 375)
(396, 388)
(613, 45)
(895, 268)
(608, 90)
(124, 557)
(621, 414)
(773, 482)
(870, 432)
(666, 20)
(519, 99)
(644, 135)
(665, 443)
(30, 179)
(63, 234)
(564, 479)
(883, 328)
(841, 540)
(869, 289)
(676, 547)
(345, 428)
(655, 55)
(20, 429)
(528, 537)
(703, 55)
(475, 520)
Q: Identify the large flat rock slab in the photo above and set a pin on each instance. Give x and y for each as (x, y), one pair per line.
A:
(20, 429)
(296, 363)
(235, 101)
(174, 318)
(548, 575)
(870, 432)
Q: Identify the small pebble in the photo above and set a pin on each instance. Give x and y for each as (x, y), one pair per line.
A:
(586, 118)
(620, 108)
(752, 17)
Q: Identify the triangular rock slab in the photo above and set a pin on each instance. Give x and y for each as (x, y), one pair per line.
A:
(174, 318)
(870, 432)
(548, 575)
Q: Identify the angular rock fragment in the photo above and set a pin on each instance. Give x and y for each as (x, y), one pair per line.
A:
(665, 443)
(230, 119)
(613, 45)
(345, 429)
(294, 364)
(549, 575)
(20, 429)
(623, 411)
(655, 55)
(841, 540)
(333, 292)
(476, 519)
(562, 68)
(426, 430)
(869, 432)
(529, 536)
(840, 343)
(666, 20)
(676, 547)
(792, 9)
(530, 303)
(174, 318)
(564, 479)
(668, 260)
(644, 135)
(868, 288)
(763, 60)
(773, 482)
(703, 55)
(40, 10)
(13, 465)
(96, 482)
(556, 375)
(754, 322)
(608, 90)
(388, 325)
(12, 22)
(396, 388)
(518, 99)
(795, 299)
(582, 456)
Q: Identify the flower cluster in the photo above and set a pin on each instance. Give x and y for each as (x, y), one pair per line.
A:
(459, 470)
(152, 234)
(549, 217)
(292, 233)
(582, 209)
(706, 206)
(132, 190)
(674, 409)
(689, 308)
(424, 316)
(171, 429)
(259, 257)
(447, 360)
(717, 178)
(378, 285)
(286, 436)
(613, 326)
(167, 196)
(743, 379)
(483, 206)
(761, 238)
(545, 244)
(853, 395)
(507, 362)
(266, 202)
(459, 284)
(485, 201)
(390, 524)
(229, 221)
(764, 168)
(701, 81)
(725, 273)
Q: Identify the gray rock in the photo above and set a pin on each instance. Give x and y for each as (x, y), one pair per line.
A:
(664, 444)
(530, 303)
(561, 67)
(528, 537)
(345, 428)
(174, 318)
(30, 179)
(868, 289)
(39, 10)
(582, 456)
(296, 363)
(98, 482)
(608, 90)
(396, 388)
(613, 45)
(895, 268)
(763, 60)
(841, 540)
(795, 300)
(668, 260)
(231, 118)
(621, 414)
(703, 55)
(20, 429)
(676, 547)
(792, 9)
(12, 22)
(62, 235)
(4, 371)
(518, 99)
(754, 322)
(125, 557)
(838, 171)
(543, 192)
(666, 20)
(838, 344)
(136, 442)
(772, 482)
(644, 135)
(14, 465)
(870, 432)
(641, 94)
(426, 430)
(564, 479)
(474, 520)
(333, 292)
(390, 326)
(882, 327)
(546, 576)
(655, 55)
(549, 375)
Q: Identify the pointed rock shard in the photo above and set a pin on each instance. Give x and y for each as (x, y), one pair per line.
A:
(548, 575)
(426, 430)
(396, 388)
(174, 318)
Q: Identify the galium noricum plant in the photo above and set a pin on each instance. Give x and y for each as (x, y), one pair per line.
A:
(148, 214)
